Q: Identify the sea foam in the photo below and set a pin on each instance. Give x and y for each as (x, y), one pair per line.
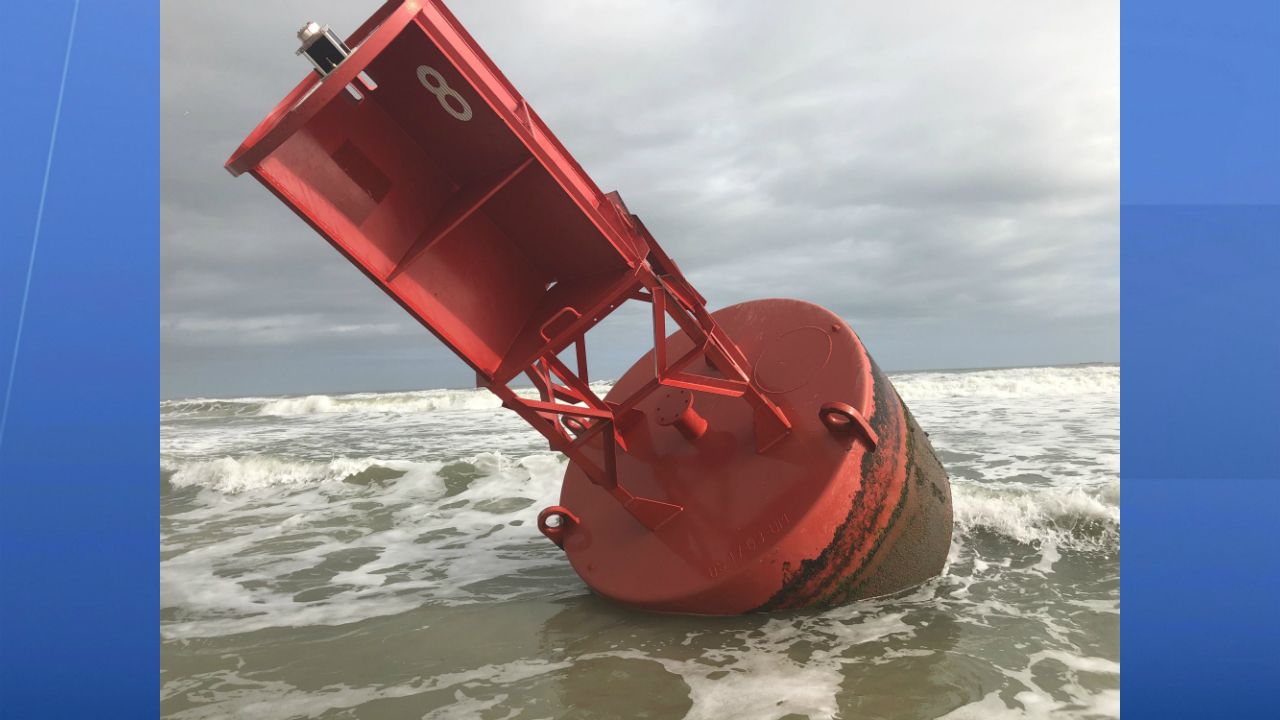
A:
(1053, 382)
(1084, 518)
(914, 387)
(377, 519)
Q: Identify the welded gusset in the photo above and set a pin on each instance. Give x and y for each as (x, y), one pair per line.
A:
(600, 433)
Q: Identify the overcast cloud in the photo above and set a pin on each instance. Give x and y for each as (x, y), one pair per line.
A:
(944, 175)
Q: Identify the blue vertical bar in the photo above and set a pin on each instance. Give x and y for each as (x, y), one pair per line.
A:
(1200, 261)
(79, 280)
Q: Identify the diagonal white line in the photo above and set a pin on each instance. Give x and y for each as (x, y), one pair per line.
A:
(35, 240)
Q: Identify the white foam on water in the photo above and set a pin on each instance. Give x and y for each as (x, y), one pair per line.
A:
(411, 402)
(421, 401)
(331, 509)
(1070, 517)
(1071, 699)
(210, 407)
(1053, 517)
(299, 519)
(1042, 382)
(915, 387)
(405, 402)
(256, 472)
(757, 677)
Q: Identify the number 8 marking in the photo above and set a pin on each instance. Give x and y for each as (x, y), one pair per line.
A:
(444, 93)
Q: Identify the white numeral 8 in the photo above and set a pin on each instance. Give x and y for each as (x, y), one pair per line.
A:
(445, 94)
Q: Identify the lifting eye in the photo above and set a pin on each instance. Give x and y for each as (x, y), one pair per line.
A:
(555, 522)
(842, 419)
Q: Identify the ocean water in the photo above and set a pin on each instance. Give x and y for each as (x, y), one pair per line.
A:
(375, 556)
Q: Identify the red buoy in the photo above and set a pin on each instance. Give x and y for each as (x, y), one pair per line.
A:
(755, 459)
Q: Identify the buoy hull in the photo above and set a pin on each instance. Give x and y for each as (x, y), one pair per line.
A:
(851, 504)
(767, 465)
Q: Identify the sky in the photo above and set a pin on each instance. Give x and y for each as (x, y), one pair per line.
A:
(945, 176)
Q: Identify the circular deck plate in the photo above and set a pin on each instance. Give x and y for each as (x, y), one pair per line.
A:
(794, 358)
(671, 403)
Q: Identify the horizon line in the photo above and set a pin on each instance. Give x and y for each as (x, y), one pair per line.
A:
(610, 380)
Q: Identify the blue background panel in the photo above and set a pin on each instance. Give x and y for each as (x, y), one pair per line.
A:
(1200, 579)
(78, 535)
(78, 526)
(1200, 88)
(1201, 341)
(1200, 322)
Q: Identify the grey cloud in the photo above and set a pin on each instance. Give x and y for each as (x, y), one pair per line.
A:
(944, 175)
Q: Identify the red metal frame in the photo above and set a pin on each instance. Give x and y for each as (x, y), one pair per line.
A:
(670, 294)
(632, 268)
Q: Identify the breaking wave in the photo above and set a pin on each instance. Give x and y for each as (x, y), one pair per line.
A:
(399, 402)
(321, 513)
(914, 387)
(1010, 383)
(1068, 517)
(419, 401)
(210, 407)
(409, 402)
(257, 472)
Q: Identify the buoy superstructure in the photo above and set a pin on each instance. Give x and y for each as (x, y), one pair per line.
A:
(754, 459)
